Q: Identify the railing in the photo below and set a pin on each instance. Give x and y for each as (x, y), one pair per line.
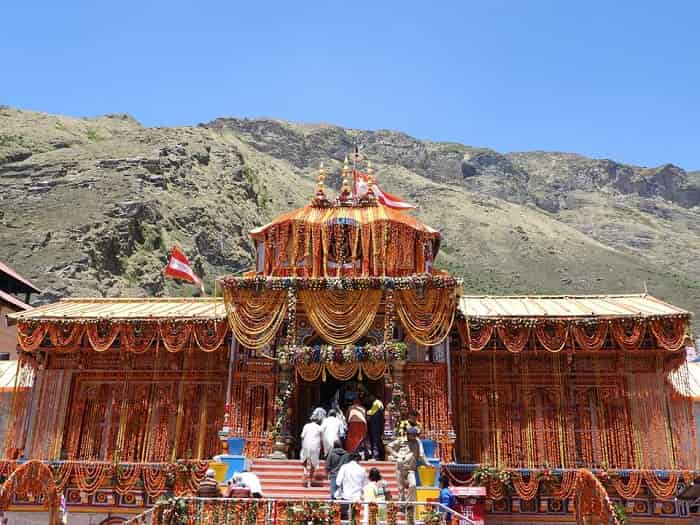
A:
(280, 511)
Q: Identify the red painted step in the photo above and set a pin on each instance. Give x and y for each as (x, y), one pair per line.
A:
(284, 478)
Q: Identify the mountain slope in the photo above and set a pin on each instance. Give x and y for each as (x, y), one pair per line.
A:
(90, 206)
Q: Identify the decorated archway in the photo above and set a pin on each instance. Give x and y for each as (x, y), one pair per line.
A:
(34, 479)
(593, 505)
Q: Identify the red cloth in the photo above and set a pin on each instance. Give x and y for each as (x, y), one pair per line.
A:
(179, 268)
(357, 431)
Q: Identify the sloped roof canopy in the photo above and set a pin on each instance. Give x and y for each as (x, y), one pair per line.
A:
(567, 307)
(126, 309)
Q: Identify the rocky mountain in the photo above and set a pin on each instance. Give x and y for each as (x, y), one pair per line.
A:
(91, 206)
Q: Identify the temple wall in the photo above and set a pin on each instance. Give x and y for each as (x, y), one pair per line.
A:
(570, 411)
(127, 407)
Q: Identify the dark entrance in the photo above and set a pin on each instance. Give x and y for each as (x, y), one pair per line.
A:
(323, 393)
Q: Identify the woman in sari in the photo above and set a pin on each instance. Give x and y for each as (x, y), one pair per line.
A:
(357, 427)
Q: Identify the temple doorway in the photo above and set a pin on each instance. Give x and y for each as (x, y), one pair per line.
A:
(331, 393)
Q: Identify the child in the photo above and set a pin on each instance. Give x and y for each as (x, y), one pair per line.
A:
(375, 492)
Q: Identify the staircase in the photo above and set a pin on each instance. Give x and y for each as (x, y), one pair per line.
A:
(284, 478)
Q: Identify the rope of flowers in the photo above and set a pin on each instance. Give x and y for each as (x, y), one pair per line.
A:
(296, 355)
(410, 282)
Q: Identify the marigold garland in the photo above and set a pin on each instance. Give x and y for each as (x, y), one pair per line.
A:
(341, 317)
(526, 490)
(210, 335)
(477, 335)
(175, 335)
(102, 335)
(427, 315)
(628, 334)
(670, 334)
(89, 476)
(590, 341)
(30, 335)
(514, 337)
(127, 477)
(137, 336)
(255, 317)
(660, 488)
(630, 489)
(552, 336)
(65, 337)
(154, 480)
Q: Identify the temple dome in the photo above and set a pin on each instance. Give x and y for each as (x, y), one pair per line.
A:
(342, 239)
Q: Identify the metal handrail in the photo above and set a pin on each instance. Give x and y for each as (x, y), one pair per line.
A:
(464, 519)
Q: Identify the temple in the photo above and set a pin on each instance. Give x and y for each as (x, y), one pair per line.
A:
(564, 408)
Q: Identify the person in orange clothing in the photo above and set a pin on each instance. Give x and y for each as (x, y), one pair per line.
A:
(357, 426)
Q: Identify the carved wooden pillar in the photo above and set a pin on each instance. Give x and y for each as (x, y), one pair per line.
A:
(398, 393)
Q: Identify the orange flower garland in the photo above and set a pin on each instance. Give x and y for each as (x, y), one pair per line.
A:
(630, 489)
(154, 480)
(341, 316)
(552, 336)
(527, 490)
(255, 316)
(175, 335)
(628, 335)
(90, 475)
(138, 338)
(30, 335)
(590, 341)
(210, 335)
(476, 334)
(670, 333)
(128, 476)
(428, 314)
(567, 486)
(102, 335)
(661, 489)
(65, 337)
(514, 337)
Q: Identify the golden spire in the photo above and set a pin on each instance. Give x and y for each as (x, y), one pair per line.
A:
(370, 179)
(345, 189)
(320, 198)
(370, 173)
(320, 190)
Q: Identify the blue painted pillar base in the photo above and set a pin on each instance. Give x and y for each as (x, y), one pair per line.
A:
(235, 463)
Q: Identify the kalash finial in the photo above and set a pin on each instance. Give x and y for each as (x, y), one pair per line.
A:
(370, 180)
(320, 197)
(345, 191)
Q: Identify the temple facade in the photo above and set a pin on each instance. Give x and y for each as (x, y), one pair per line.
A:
(563, 407)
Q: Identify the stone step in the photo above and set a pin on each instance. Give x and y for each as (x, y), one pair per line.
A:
(285, 478)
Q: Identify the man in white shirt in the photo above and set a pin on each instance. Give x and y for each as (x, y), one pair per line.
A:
(250, 481)
(351, 480)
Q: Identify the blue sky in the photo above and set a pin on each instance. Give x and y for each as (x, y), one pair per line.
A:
(619, 80)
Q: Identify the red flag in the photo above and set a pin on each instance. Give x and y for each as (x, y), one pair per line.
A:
(384, 197)
(179, 268)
